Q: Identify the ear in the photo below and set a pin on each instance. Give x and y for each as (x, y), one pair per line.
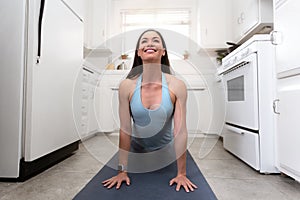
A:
(164, 52)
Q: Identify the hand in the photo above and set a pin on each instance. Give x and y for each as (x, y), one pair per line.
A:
(122, 176)
(183, 181)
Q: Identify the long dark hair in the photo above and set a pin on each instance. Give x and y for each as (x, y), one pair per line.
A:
(137, 68)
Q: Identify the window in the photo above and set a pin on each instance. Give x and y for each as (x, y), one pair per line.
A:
(172, 19)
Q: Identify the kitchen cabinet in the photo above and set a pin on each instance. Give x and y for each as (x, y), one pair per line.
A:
(285, 35)
(88, 124)
(214, 22)
(198, 117)
(287, 106)
(96, 18)
(107, 99)
(250, 17)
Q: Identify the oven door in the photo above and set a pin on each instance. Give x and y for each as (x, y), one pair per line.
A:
(242, 93)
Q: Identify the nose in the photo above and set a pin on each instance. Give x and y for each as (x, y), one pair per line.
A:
(149, 44)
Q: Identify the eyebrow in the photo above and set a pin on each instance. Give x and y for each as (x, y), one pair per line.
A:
(156, 37)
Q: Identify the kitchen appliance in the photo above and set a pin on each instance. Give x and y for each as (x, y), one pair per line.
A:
(41, 53)
(249, 77)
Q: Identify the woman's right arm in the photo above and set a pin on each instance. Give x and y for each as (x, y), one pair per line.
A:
(124, 137)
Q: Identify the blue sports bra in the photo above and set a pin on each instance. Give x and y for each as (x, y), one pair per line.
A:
(152, 129)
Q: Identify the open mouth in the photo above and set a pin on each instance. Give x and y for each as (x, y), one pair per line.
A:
(150, 50)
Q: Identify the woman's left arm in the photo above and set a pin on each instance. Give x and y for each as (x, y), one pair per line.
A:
(180, 137)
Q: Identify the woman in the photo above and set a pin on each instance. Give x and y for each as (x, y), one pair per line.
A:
(153, 98)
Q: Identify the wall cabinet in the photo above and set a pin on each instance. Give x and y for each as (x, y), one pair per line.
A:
(286, 36)
(250, 17)
(214, 22)
(95, 25)
(288, 90)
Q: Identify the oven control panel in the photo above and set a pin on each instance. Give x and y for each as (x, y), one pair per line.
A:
(243, 51)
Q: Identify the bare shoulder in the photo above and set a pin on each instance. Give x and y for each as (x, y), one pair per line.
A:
(124, 84)
(126, 87)
(176, 85)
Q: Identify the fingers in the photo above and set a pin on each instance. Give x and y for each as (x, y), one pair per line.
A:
(109, 183)
(172, 182)
(118, 184)
(185, 183)
(193, 185)
(178, 187)
(127, 181)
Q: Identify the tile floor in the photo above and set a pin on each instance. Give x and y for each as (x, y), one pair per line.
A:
(228, 177)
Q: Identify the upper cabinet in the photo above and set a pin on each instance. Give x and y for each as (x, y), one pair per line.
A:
(285, 37)
(250, 17)
(96, 17)
(214, 18)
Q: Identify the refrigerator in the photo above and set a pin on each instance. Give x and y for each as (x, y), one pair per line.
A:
(41, 55)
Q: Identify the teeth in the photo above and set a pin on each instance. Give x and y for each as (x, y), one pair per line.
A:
(150, 50)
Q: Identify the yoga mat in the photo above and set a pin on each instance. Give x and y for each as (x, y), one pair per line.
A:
(148, 186)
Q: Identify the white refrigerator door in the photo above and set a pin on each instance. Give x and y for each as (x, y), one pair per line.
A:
(50, 124)
(12, 23)
(77, 6)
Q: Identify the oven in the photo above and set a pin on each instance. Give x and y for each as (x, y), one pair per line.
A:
(248, 77)
(240, 81)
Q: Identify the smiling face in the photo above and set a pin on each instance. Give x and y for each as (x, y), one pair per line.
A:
(151, 47)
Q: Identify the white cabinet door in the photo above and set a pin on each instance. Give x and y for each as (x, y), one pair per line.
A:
(287, 51)
(288, 138)
(199, 111)
(96, 19)
(214, 22)
(107, 99)
(83, 123)
(245, 16)
(93, 105)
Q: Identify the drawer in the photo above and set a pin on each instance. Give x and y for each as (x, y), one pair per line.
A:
(243, 144)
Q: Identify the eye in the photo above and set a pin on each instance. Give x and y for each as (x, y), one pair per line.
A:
(156, 40)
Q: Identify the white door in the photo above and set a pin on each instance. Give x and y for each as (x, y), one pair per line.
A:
(288, 86)
(288, 138)
(12, 30)
(77, 6)
(245, 16)
(287, 49)
(50, 124)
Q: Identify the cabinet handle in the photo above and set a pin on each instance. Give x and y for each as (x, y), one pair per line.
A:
(275, 106)
(276, 37)
(242, 16)
(235, 130)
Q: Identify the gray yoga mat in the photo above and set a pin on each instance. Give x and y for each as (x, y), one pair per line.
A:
(148, 186)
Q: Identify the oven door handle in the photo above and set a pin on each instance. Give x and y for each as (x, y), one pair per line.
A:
(235, 130)
(230, 69)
